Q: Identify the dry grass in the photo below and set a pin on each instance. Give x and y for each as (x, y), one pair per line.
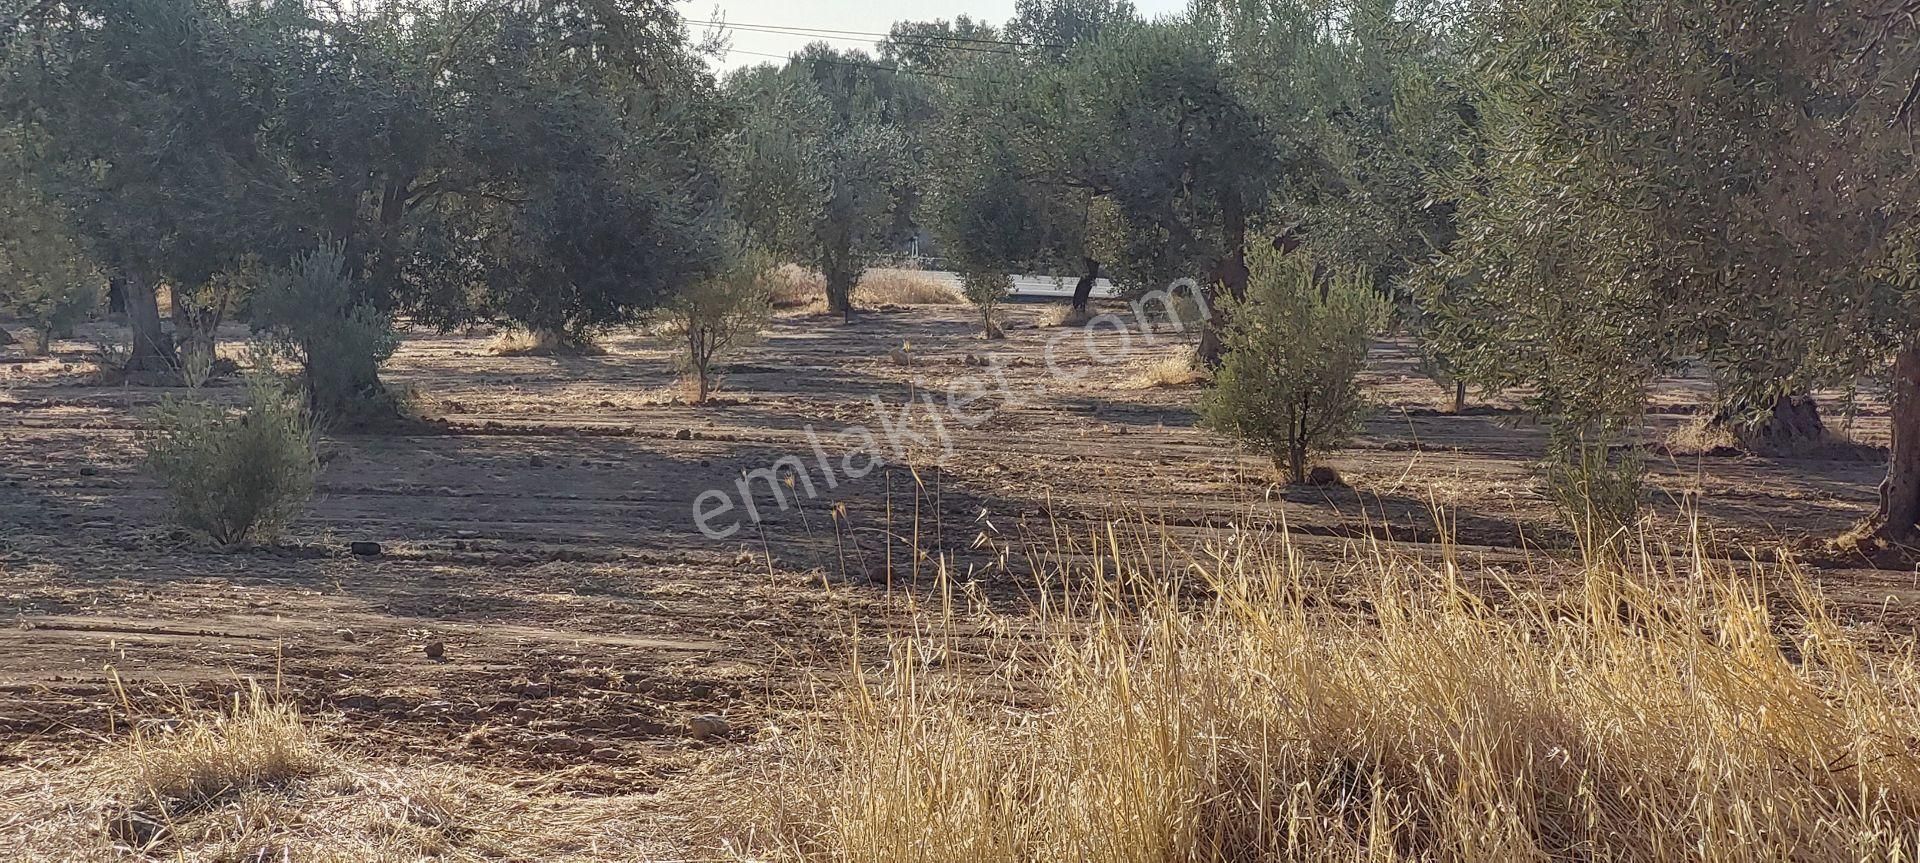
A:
(889, 287)
(1178, 368)
(520, 343)
(255, 781)
(1237, 703)
(1700, 435)
(251, 743)
(1062, 316)
(797, 288)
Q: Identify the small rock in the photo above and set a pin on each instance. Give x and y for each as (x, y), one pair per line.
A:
(900, 357)
(560, 743)
(706, 727)
(525, 715)
(366, 549)
(605, 753)
(683, 434)
(89, 470)
(536, 460)
(345, 634)
(435, 649)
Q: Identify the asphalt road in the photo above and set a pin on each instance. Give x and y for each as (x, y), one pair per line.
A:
(1037, 287)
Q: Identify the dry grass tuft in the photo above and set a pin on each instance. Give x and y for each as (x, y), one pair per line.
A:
(1700, 436)
(797, 288)
(252, 743)
(520, 343)
(1178, 368)
(1062, 316)
(1235, 703)
(255, 781)
(890, 287)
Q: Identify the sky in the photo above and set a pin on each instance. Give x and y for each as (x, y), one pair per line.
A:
(856, 15)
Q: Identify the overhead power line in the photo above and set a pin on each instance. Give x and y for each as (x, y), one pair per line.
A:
(858, 65)
(911, 41)
(935, 36)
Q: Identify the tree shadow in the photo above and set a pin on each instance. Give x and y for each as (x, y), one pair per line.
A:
(1125, 412)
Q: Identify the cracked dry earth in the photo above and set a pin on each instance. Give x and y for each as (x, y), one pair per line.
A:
(542, 532)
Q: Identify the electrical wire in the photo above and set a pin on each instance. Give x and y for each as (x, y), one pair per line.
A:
(858, 65)
(807, 30)
(915, 43)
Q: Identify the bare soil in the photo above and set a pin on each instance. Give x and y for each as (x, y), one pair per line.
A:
(543, 531)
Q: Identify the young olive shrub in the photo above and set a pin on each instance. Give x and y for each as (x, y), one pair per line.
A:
(715, 316)
(1288, 384)
(1597, 488)
(234, 477)
(311, 314)
(986, 290)
(49, 286)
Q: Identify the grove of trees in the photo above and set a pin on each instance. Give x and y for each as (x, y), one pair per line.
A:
(1566, 197)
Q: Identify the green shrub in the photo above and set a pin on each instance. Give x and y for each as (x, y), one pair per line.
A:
(716, 315)
(48, 284)
(235, 477)
(1289, 382)
(1596, 490)
(46, 277)
(311, 314)
(986, 290)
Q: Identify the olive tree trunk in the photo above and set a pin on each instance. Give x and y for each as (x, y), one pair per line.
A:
(1083, 289)
(1231, 273)
(1900, 492)
(1791, 421)
(152, 351)
(840, 282)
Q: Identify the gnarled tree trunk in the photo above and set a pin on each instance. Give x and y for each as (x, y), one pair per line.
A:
(1212, 350)
(1791, 421)
(840, 284)
(152, 350)
(1083, 289)
(1900, 492)
(1230, 273)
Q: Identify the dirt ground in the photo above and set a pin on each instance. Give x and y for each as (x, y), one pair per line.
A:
(545, 532)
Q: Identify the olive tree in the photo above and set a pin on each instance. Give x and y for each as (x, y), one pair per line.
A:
(988, 221)
(1708, 179)
(312, 313)
(715, 316)
(45, 278)
(815, 163)
(1288, 383)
